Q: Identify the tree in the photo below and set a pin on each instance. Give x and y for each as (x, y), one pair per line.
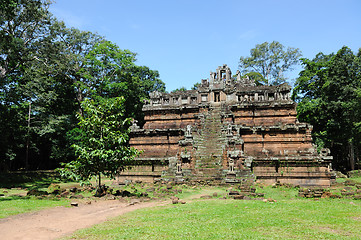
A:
(181, 89)
(196, 86)
(110, 72)
(256, 77)
(102, 147)
(329, 94)
(270, 60)
(22, 26)
(46, 71)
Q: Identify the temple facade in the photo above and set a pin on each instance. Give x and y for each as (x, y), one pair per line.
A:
(228, 130)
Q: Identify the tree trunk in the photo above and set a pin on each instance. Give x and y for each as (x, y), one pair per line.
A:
(28, 140)
(352, 155)
(99, 180)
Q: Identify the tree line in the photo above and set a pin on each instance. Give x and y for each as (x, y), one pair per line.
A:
(46, 71)
(55, 81)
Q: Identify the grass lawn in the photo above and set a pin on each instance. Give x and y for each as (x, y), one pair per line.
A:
(14, 187)
(16, 205)
(288, 218)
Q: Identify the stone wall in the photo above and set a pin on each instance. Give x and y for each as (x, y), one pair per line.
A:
(226, 131)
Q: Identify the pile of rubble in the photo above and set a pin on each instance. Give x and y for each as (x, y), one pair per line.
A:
(246, 193)
(350, 189)
(315, 193)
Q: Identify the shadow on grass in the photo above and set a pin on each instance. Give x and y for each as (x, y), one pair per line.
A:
(29, 180)
(10, 198)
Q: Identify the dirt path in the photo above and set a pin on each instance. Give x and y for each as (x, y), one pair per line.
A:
(58, 222)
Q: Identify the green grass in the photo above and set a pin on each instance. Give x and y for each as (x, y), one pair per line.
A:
(16, 205)
(14, 186)
(289, 218)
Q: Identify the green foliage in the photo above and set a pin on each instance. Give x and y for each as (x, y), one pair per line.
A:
(181, 89)
(328, 92)
(111, 72)
(270, 60)
(256, 77)
(103, 143)
(196, 86)
(46, 71)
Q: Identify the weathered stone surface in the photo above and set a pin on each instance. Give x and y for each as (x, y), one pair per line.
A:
(36, 192)
(224, 130)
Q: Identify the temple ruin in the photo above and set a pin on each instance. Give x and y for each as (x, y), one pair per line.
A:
(227, 131)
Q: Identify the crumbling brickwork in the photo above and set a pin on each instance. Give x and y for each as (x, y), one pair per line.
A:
(228, 130)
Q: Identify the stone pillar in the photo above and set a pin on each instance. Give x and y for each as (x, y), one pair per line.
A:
(212, 76)
(228, 75)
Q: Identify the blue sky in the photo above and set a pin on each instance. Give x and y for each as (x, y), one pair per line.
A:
(186, 39)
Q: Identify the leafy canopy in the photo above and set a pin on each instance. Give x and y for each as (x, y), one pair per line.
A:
(270, 60)
(102, 146)
(328, 91)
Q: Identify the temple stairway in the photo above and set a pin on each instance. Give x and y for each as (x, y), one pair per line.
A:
(210, 144)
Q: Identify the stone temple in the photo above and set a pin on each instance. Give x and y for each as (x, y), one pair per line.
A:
(227, 131)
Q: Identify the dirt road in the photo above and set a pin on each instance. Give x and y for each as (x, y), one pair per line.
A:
(58, 222)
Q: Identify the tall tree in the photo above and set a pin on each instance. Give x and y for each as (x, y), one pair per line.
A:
(109, 72)
(102, 147)
(46, 71)
(328, 91)
(24, 26)
(271, 60)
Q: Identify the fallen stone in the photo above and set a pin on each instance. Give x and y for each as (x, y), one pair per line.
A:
(335, 196)
(74, 204)
(54, 188)
(233, 193)
(206, 196)
(35, 192)
(348, 193)
(134, 201)
(357, 197)
(64, 194)
(349, 183)
(109, 197)
(150, 189)
(238, 197)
